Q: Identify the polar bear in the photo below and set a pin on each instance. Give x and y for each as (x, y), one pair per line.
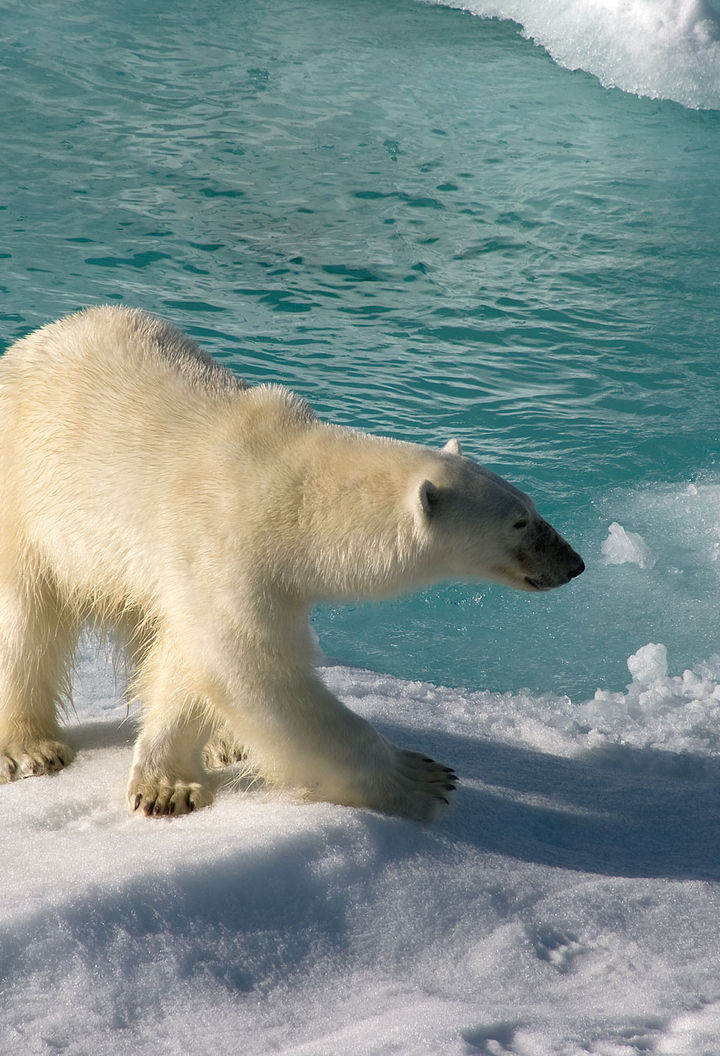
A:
(146, 488)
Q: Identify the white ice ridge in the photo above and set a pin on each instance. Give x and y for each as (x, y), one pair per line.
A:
(622, 547)
(676, 715)
(666, 49)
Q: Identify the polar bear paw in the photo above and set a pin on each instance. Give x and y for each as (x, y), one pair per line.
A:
(44, 756)
(419, 788)
(407, 784)
(222, 752)
(156, 798)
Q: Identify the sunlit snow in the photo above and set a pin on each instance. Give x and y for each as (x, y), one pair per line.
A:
(565, 905)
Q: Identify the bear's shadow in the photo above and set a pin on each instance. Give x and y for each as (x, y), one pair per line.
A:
(619, 811)
(108, 733)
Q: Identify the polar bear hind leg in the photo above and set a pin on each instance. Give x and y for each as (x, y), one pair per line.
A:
(223, 749)
(37, 648)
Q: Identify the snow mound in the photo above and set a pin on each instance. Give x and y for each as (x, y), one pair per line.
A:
(583, 845)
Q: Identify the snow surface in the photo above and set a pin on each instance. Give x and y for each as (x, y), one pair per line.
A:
(568, 904)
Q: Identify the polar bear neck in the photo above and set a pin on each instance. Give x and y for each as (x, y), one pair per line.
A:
(330, 510)
(338, 505)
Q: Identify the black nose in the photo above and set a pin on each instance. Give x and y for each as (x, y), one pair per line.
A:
(578, 570)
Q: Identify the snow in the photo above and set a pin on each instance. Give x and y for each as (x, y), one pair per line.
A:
(568, 903)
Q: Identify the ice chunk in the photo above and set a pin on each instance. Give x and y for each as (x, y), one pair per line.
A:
(649, 664)
(623, 547)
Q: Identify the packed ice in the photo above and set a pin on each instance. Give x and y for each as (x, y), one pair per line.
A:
(668, 49)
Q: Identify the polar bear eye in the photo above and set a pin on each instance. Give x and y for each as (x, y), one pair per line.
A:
(522, 523)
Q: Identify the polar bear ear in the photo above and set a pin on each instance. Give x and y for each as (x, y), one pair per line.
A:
(452, 447)
(429, 496)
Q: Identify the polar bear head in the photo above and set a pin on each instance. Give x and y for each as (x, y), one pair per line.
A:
(479, 526)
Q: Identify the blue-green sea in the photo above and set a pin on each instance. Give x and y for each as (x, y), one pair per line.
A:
(431, 223)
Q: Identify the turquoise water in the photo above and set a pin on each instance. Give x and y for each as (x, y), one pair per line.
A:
(428, 227)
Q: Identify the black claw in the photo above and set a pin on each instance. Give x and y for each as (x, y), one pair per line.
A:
(138, 801)
(449, 788)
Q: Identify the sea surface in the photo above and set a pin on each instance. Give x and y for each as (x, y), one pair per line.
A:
(431, 222)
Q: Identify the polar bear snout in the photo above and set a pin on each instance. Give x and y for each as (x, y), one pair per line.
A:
(546, 559)
(542, 582)
(577, 569)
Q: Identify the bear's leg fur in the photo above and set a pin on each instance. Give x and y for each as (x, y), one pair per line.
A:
(300, 734)
(167, 774)
(223, 749)
(37, 645)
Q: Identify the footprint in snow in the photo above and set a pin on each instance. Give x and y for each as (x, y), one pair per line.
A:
(555, 946)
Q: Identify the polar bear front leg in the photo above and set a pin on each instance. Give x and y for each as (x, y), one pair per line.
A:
(408, 784)
(167, 775)
(310, 739)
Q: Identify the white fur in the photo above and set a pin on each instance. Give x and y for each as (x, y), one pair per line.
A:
(144, 487)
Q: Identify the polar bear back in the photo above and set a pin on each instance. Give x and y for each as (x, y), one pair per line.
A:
(115, 433)
(115, 338)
